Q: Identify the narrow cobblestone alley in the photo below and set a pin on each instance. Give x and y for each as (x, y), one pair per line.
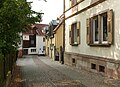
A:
(44, 72)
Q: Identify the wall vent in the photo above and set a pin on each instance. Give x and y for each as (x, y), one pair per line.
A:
(73, 60)
(93, 66)
(101, 68)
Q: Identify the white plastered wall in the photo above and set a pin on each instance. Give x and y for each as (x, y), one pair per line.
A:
(83, 48)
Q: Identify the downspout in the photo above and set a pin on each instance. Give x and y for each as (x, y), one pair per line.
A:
(22, 44)
(63, 30)
(51, 47)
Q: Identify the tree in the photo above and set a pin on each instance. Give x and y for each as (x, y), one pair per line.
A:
(15, 17)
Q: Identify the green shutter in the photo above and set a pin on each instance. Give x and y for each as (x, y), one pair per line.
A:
(110, 26)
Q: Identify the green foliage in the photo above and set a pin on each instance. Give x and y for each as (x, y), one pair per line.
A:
(15, 17)
(1, 70)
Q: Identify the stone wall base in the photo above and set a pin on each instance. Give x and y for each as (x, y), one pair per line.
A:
(105, 66)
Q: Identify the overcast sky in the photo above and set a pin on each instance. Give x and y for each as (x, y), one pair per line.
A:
(51, 9)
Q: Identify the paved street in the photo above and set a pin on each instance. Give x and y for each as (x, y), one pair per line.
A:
(44, 72)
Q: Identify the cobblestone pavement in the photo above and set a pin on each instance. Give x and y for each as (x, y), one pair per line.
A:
(44, 72)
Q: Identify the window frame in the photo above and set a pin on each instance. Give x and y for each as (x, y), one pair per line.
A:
(94, 29)
(74, 37)
(32, 40)
(44, 47)
(74, 32)
(89, 26)
(43, 39)
(101, 16)
(33, 50)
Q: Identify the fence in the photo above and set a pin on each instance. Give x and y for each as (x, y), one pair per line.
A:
(1, 71)
(6, 66)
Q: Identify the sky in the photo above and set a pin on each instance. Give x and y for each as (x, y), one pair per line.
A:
(51, 9)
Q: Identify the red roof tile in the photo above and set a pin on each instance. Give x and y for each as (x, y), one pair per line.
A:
(36, 29)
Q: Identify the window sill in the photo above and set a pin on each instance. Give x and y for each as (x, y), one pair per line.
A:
(75, 44)
(100, 45)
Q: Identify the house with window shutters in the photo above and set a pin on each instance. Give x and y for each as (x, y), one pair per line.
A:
(92, 35)
(54, 39)
(50, 40)
(59, 42)
(34, 40)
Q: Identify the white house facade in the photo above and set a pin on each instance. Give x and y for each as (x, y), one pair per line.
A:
(40, 45)
(92, 35)
(34, 40)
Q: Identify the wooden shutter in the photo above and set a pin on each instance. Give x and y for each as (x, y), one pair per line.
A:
(110, 26)
(88, 31)
(70, 35)
(78, 32)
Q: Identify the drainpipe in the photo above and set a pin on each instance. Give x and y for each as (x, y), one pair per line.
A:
(63, 30)
(51, 47)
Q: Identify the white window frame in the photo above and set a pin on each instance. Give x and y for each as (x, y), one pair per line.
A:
(105, 29)
(33, 50)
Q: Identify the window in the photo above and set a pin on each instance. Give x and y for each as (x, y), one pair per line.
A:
(74, 33)
(43, 39)
(100, 28)
(26, 44)
(93, 66)
(51, 46)
(104, 32)
(73, 60)
(95, 29)
(32, 40)
(33, 50)
(44, 47)
(101, 68)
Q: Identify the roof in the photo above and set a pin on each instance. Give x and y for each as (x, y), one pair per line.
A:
(58, 26)
(53, 22)
(36, 29)
(61, 20)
